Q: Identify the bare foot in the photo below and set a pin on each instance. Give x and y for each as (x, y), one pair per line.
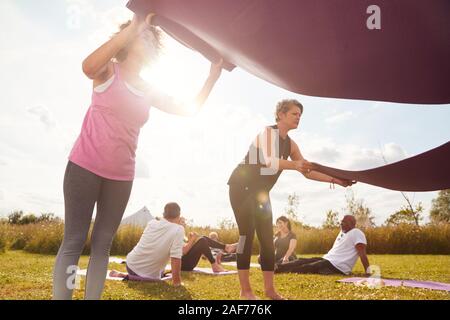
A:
(248, 296)
(219, 258)
(217, 268)
(230, 248)
(273, 295)
(117, 274)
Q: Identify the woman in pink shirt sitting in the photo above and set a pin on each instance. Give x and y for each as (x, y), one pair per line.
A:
(101, 165)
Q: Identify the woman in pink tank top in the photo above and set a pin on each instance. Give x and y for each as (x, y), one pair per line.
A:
(101, 164)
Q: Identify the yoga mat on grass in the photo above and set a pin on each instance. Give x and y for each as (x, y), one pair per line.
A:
(210, 272)
(233, 264)
(117, 260)
(374, 282)
(83, 272)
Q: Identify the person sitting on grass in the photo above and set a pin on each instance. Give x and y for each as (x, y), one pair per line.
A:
(285, 241)
(163, 239)
(349, 244)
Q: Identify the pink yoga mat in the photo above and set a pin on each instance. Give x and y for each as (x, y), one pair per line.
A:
(406, 283)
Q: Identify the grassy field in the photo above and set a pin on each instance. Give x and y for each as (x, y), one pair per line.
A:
(29, 276)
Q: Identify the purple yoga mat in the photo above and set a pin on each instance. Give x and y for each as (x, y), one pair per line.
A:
(321, 47)
(428, 171)
(406, 283)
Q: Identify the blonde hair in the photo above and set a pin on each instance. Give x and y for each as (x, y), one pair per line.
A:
(123, 53)
(214, 235)
(285, 105)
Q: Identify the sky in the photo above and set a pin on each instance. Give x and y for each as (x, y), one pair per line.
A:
(45, 96)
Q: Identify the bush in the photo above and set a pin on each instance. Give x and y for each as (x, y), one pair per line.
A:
(125, 240)
(45, 238)
(18, 218)
(2, 243)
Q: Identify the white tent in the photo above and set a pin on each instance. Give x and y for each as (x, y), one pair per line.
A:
(139, 219)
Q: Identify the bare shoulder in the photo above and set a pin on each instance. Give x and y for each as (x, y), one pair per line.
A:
(294, 146)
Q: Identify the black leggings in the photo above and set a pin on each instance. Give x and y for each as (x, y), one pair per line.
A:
(82, 191)
(311, 265)
(202, 247)
(253, 211)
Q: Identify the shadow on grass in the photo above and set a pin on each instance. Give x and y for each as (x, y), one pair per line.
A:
(163, 290)
(160, 290)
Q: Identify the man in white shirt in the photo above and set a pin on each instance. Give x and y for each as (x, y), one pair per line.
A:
(162, 240)
(349, 245)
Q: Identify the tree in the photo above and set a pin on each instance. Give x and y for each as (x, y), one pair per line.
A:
(18, 217)
(440, 208)
(15, 217)
(362, 214)
(331, 220)
(227, 224)
(406, 215)
(48, 217)
(291, 211)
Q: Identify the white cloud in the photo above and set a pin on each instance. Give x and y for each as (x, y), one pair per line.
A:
(364, 158)
(340, 117)
(326, 154)
(44, 116)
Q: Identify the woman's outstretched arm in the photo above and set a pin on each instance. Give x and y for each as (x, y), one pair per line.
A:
(96, 64)
(168, 104)
(273, 162)
(214, 75)
(296, 155)
(291, 250)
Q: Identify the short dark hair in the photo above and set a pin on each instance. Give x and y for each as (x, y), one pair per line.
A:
(171, 210)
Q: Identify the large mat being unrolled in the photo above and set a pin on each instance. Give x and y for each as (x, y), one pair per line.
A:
(378, 283)
(396, 51)
(428, 171)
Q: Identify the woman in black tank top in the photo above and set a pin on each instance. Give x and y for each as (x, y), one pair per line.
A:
(250, 184)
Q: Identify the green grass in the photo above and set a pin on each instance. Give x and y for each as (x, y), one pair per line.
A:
(29, 276)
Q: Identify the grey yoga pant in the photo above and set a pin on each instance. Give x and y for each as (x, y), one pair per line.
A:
(82, 190)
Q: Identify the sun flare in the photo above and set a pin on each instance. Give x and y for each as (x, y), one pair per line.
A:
(178, 72)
